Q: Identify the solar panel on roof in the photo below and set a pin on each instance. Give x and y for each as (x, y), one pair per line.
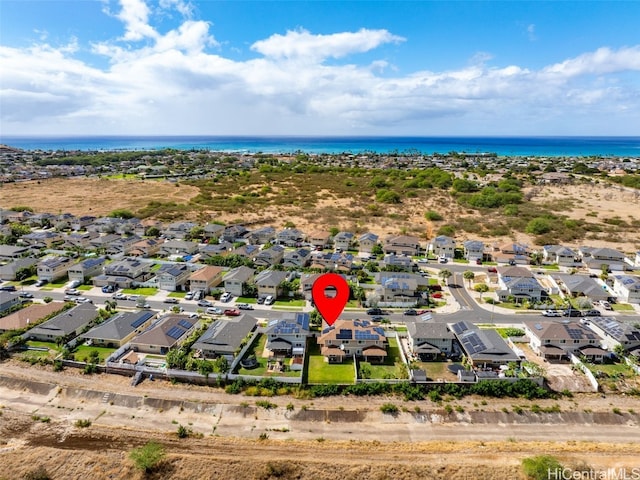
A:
(185, 324)
(141, 319)
(175, 333)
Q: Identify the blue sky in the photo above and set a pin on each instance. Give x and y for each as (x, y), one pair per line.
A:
(160, 67)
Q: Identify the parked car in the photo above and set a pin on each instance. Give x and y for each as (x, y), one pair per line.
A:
(606, 305)
(41, 283)
(443, 259)
(551, 313)
(26, 295)
(8, 288)
(108, 289)
(133, 297)
(119, 296)
(261, 299)
(77, 283)
(572, 313)
(204, 303)
(244, 306)
(492, 270)
(72, 291)
(410, 312)
(189, 296)
(592, 313)
(377, 319)
(232, 312)
(171, 300)
(214, 311)
(226, 296)
(269, 300)
(375, 311)
(83, 300)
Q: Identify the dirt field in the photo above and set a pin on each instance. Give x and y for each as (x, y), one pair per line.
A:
(324, 438)
(594, 203)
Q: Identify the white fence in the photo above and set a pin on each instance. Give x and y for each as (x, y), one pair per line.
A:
(592, 380)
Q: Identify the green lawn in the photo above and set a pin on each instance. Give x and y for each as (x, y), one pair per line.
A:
(261, 370)
(146, 291)
(247, 300)
(322, 372)
(49, 345)
(83, 351)
(177, 294)
(85, 287)
(290, 302)
(51, 353)
(612, 369)
(438, 370)
(391, 368)
(622, 307)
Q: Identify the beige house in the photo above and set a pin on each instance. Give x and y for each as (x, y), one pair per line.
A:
(346, 338)
(206, 278)
(164, 335)
(53, 268)
(402, 245)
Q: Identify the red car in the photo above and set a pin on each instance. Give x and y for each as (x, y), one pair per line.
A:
(232, 312)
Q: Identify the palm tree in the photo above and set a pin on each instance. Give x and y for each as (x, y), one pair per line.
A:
(469, 275)
(445, 274)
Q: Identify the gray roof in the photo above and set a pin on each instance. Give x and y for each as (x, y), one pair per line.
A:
(270, 277)
(622, 332)
(429, 330)
(166, 332)
(225, 336)
(483, 345)
(583, 284)
(67, 322)
(239, 274)
(119, 326)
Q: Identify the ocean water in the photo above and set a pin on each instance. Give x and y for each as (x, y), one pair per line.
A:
(515, 146)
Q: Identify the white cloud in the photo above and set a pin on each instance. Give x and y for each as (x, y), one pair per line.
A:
(171, 84)
(300, 44)
(531, 32)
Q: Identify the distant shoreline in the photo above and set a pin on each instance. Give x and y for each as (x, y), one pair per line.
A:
(508, 146)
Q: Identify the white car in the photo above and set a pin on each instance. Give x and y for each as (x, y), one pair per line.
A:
(551, 313)
(269, 300)
(226, 296)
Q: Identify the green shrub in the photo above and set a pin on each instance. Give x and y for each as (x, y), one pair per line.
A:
(541, 467)
(389, 408)
(147, 457)
(83, 423)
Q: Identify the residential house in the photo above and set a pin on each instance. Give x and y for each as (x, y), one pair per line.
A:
(473, 250)
(8, 300)
(484, 348)
(42, 239)
(103, 242)
(291, 237)
(443, 246)
(513, 254)
(108, 225)
(213, 231)
(233, 233)
(215, 249)
(559, 255)
(333, 261)
(53, 268)
(179, 230)
(247, 251)
(11, 252)
(627, 288)
(269, 257)
(125, 273)
(147, 247)
(119, 329)
(173, 276)
(320, 240)
(518, 282)
(397, 289)
(306, 283)
(558, 340)
(236, 281)
(206, 279)
(65, 325)
(224, 338)
(429, 341)
(86, 269)
(28, 315)
(300, 257)
(164, 335)
(343, 240)
(614, 332)
(402, 245)
(269, 282)
(178, 248)
(348, 338)
(122, 246)
(79, 240)
(595, 258)
(399, 262)
(367, 241)
(81, 223)
(8, 271)
(581, 286)
(261, 236)
(287, 337)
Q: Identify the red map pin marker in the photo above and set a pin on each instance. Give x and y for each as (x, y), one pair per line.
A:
(330, 307)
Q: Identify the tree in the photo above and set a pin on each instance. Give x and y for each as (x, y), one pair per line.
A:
(147, 457)
(221, 365)
(481, 288)
(469, 275)
(47, 299)
(121, 213)
(110, 305)
(152, 232)
(541, 467)
(445, 274)
(26, 272)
